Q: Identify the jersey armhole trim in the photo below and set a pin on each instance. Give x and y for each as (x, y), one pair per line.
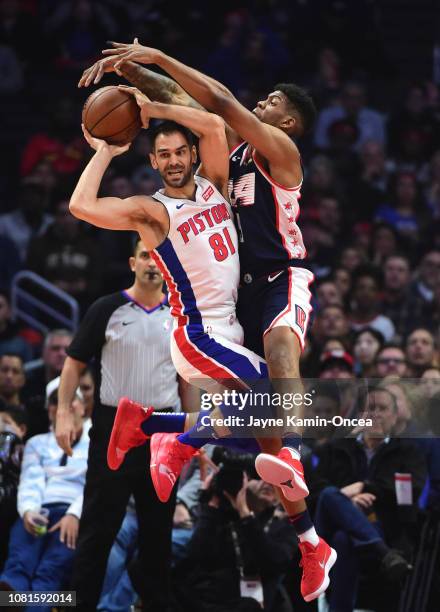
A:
(169, 223)
(235, 149)
(271, 180)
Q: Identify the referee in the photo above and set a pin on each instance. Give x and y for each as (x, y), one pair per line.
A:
(127, 334)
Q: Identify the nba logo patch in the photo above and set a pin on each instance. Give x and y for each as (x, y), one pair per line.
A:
(167, 325)
(300, 317)
(207, 193)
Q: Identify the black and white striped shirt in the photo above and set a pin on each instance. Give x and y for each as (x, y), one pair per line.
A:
(131, 348)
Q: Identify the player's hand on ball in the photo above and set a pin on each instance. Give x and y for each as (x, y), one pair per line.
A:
(144, 103)
(95, 143)
(133, 52)
(98, 144)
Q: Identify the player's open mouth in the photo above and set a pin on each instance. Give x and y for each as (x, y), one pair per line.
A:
(175, 172)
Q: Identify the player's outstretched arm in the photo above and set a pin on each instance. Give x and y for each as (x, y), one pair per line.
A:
(110, 212)
(271, 143)
(156, 86)
(209, 128)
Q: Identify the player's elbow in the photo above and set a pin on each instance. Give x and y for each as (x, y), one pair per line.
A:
(78, 207)
(215, 125)
(74, 206)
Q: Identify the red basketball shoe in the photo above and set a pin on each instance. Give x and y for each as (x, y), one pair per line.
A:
(284, 471)
(168, 456)
(316, 562)
(126, 432)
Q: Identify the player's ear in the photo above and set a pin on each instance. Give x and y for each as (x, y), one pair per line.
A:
(288, 123)
(193, 154)
(131, 263)
(153, 161)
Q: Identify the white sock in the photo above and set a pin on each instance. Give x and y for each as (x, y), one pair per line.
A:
(310, 536)
(294, 452)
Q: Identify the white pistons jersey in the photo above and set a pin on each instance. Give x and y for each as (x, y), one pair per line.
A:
(199, 257)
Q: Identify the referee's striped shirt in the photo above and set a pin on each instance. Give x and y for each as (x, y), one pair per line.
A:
(131, 348)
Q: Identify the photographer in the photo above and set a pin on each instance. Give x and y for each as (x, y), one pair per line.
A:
(241, 546)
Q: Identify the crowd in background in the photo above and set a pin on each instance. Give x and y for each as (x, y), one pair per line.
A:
(370, 213)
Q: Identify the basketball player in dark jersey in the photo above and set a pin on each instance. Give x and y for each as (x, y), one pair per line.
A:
(274, 301)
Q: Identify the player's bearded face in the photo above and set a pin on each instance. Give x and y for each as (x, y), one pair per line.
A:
(173, 158)
(177, 174)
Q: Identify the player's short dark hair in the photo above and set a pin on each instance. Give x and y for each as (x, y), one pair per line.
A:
(169, 127)
(301, 101)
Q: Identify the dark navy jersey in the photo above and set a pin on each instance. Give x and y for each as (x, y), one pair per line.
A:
(266, 215)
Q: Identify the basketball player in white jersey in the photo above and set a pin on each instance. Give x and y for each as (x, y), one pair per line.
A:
(188, 227)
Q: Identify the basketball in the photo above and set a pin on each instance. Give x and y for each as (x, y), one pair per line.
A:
(112, 115)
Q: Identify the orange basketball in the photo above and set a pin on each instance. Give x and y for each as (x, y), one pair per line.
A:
(112, 115)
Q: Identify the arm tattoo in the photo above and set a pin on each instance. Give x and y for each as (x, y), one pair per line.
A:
(156, 86)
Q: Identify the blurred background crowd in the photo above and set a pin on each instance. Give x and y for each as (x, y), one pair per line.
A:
(370, 207)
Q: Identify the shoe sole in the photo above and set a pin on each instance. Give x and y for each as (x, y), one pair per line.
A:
(114, 462)
(156, 442)
(328, 566)
(276, 471)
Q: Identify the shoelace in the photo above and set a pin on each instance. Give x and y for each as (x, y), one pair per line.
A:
(311, 568)
(177, 457)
